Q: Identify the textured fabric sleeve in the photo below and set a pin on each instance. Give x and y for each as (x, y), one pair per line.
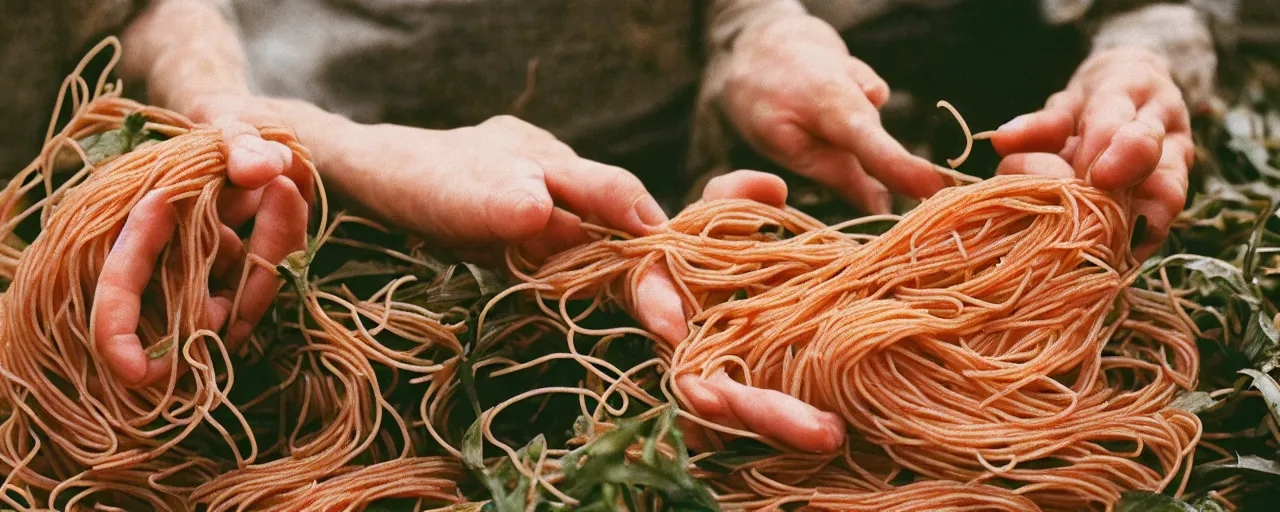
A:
(711, 135)
(40, 42)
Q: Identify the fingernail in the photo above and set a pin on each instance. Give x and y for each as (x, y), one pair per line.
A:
(1014, 124)
(286, 154)
(120, 239)
(833, 430)
(650, 213)
(1149, 131)
(236, 335)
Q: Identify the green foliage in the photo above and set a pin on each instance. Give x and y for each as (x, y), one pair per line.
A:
(1142, 501)
(600, 474)
(100, 147)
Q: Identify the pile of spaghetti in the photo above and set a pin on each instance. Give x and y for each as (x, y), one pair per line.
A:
(74, 438)
(986, 350)
(990, 351)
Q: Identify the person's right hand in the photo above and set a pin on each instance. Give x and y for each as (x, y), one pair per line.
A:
(484, 187)
(505, 181)
(776, 416)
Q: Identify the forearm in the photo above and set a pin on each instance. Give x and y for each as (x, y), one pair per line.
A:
(182, 49)
(727, 19)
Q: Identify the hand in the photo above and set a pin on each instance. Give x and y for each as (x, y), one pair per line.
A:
(800, 99)
(775, 415)
(1122, 124)
(484, 187)
(266, 184)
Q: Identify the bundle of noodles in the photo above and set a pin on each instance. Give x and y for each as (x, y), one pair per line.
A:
(73, 437)
(987, 350)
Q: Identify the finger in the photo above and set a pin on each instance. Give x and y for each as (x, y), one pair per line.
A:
(251, 161)
(863, 191)
(1045, 131)
(298, 171)
(1069, 101)
(694, 436)
(829, 165)
(1137, 147)
(772, 414)
(280, 228)
(761, 187)
(236, 205)
(591, 189)
(874, 87)
(706, 401)
(1036, 164)
(563, 231)
(1164, 194)
(1131, 156)
(854, 125)
(216, 312)
(659, 306)
(117, 300)
(1102, 117)
(1068, 152)
(497, 200)
(230, 252)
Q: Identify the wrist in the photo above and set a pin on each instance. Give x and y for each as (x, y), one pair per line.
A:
(1127, 56)
(330, 137)
(183, 50)
(182, 88)
(798, 27)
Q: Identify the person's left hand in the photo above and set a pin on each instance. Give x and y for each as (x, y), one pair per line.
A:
(1122, 124)
(267, 185)
(779, 417)
(798, 97)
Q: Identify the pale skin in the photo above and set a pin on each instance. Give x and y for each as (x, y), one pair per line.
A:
(795, 94)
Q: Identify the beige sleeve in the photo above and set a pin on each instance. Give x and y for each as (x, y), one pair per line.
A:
(711, 137)
(1179, 32)
(89, 20)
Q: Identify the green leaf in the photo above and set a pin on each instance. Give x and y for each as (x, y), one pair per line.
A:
(1208, 504)
(481, 281)
(1143, 501)
(1255, 239)
(294, 269)
(159, 349)
(468, 378)
(132, 131)
(1260, 336)
(473, 446)
(603, 463)
(1194, 402)
(100, 147)
(1270, 390)
(355, 268)
(1218, 272)
(1251, 463)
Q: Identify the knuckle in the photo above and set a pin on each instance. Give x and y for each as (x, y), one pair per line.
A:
(623, 184)
(529, 167)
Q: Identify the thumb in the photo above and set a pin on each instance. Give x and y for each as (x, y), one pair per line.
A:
(659, 306)
(853, 124)
(252, 161)
(777, 416)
